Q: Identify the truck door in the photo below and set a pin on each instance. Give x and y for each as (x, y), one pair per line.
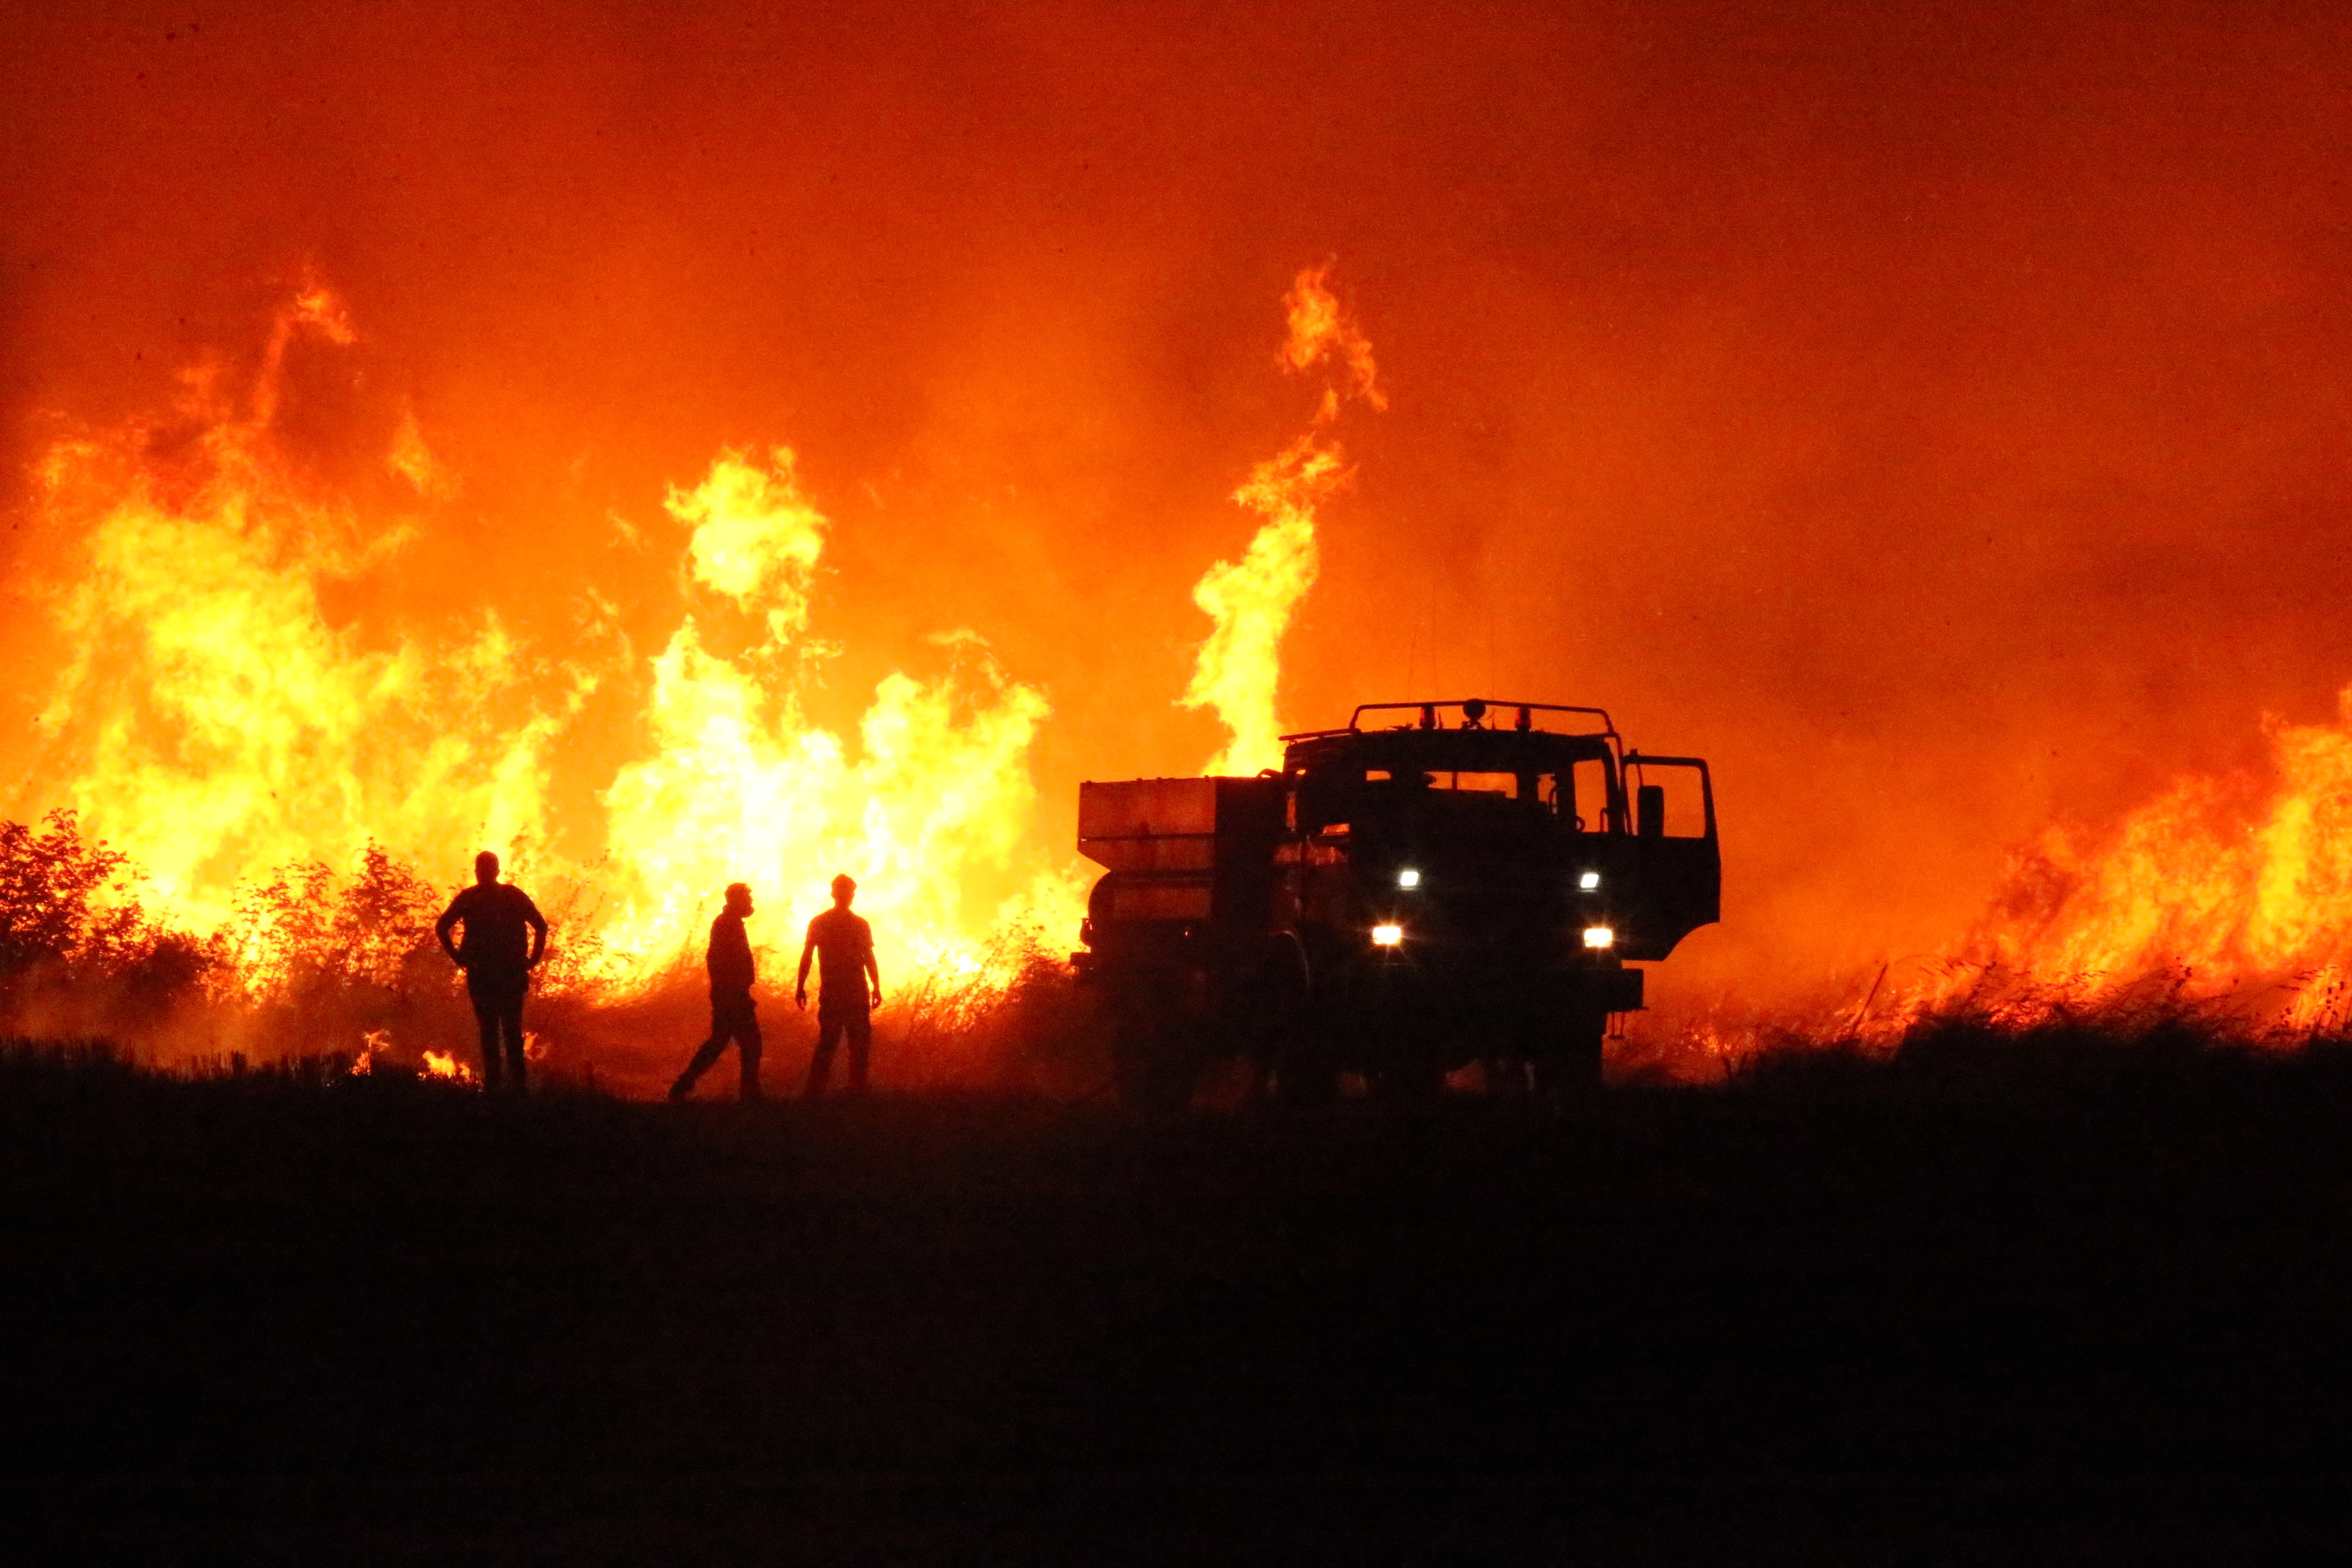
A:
(1677, 883)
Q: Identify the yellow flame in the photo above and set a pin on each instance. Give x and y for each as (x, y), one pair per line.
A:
(742, 787)
(1238, 671)
(374, 1040)
(211, 723)
(2227, 884)
(755, 536)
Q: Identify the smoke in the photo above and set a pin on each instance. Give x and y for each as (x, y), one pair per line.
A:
(1934, 418)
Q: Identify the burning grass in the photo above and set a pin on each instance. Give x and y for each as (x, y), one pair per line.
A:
(1985, 1029)
(320, 974)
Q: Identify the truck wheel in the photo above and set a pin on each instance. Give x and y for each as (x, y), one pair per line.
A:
(1153, 1067)
(1157, 1083)
(1409, 1083)
(1305, 1076)
(1155, 1087)
(1575, 1069)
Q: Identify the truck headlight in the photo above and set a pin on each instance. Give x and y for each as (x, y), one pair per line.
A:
(1600, 937)
(1588, 880)
(1386, 936)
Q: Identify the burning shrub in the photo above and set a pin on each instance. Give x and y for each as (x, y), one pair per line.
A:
(77, 953)
(323, 967)
(48, 882)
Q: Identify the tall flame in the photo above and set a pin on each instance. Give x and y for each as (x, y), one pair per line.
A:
(742, 787)
(1238, 671)
(207, 718)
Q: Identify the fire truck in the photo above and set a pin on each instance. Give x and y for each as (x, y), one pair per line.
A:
(1435, 884)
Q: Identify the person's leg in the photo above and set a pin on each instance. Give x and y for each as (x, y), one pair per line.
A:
(484, 996)
(511, 1023)
(861, 1043)
(748, 1049)
(828, 1030)
(705, 1054)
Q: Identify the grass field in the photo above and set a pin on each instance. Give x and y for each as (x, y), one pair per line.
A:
(2074, 1298)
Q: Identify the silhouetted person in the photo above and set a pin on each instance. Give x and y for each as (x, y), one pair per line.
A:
(732, 1015)
(497, 960)
(849, 987)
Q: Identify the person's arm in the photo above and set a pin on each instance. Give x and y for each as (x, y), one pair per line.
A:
(449, 917)
(800, 986)
(874, 974)
(538, 932)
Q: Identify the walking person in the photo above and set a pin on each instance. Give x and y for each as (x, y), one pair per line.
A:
(733, 1018)
(497, 960)
(849, 988)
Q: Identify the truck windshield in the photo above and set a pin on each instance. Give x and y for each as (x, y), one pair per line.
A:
(1541, 791)
(1576, 793)
(1505, 785)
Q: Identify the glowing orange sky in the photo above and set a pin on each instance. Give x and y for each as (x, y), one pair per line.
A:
(1938, 420)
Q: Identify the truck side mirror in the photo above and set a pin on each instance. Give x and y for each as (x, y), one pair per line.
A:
(1320, 803)
(1650, 811)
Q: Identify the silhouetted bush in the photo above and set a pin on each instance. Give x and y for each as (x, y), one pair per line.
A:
(77, 953)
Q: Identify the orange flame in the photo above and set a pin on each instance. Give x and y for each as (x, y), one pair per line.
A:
(1320, 330)
(373, 1041)
(2237, 887)
(1238, 671)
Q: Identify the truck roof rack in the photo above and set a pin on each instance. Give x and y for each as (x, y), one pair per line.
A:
(1474, 711)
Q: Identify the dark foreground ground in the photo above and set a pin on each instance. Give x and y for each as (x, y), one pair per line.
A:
(2094, 1313)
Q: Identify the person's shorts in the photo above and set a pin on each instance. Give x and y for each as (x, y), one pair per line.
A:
(494, 990)
(857, 1020)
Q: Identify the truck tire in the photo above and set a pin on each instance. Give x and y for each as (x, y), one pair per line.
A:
(1410, 1082)
(1154, 1048)
(1305, 1077)
(1574, 1068)
(1153, 1070)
